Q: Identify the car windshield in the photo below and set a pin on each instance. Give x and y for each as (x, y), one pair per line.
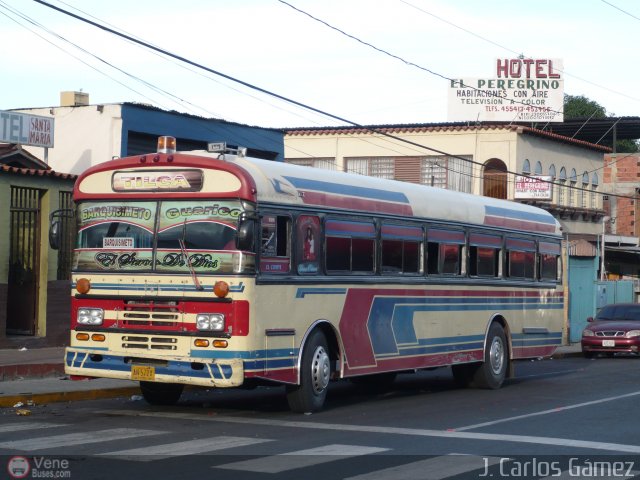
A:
(619, 312)
(174, 236)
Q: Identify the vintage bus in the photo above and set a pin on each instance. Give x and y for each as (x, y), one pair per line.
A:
(217, 270)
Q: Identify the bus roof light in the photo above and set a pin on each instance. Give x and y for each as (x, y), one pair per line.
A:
(166, 144)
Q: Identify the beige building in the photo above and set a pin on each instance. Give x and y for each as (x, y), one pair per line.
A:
(482, 160)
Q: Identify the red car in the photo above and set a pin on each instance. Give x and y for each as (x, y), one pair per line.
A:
(616, 328)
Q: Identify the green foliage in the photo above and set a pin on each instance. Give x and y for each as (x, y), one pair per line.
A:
(579, 106)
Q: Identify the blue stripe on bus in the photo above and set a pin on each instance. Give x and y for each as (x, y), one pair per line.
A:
(173, 367)
(520, 215)
(301, 292)
(349, 190)
(391, 321)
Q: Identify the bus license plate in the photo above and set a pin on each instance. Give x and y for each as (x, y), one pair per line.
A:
(143, 372)
(608, 343)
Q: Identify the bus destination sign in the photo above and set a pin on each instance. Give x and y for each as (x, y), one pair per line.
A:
(157, 181)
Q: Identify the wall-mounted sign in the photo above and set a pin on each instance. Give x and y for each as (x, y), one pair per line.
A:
(533, 188)
(157, 180)
(24, 129)
(523, 89)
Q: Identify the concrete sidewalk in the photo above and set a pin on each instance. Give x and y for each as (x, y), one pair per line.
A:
(36, 377)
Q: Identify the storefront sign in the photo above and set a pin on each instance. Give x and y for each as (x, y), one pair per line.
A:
(23, 129)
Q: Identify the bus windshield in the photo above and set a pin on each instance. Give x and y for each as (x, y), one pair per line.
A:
(172, 236)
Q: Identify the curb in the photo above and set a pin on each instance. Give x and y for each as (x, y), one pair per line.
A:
(30, 370)
(56, 397)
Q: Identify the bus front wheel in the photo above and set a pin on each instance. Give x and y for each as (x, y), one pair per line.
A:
(492, 372)
(161, 393)
(315, 372)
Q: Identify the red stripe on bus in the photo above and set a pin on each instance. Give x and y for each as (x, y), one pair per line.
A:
(354, 203)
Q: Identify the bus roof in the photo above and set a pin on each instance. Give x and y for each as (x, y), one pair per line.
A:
(279, 182)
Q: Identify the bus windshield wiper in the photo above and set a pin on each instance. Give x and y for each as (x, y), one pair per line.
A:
(184, 251)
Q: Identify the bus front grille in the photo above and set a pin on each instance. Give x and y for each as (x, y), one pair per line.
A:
(150, 313)
(143, 342)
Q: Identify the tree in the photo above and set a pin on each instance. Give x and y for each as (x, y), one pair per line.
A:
(579, 106)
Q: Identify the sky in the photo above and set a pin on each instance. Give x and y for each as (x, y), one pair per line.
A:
(370, 63)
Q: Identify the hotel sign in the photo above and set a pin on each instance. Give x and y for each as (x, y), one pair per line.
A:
(24, 129)
(522, 89)
(533, 188)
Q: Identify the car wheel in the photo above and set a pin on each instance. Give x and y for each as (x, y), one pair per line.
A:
(587, 354)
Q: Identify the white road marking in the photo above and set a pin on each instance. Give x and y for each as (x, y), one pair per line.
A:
(564, 442)
(546, 412)
(301, 458)
(437, 468)
(98, 436)
(19, 427)
(178, 449)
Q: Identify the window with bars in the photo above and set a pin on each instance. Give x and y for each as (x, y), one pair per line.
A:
(442, 171)
(380, 167)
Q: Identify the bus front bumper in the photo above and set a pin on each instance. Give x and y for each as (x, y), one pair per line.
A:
(202, 372)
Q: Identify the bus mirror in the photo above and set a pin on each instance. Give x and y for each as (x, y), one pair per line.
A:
(55, 227)
(246, 229)
(54, 234)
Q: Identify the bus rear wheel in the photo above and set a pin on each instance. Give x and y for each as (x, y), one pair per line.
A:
(315, 373)
(161, 393)
(492, 372)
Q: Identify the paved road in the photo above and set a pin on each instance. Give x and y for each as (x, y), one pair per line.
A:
(567, 418)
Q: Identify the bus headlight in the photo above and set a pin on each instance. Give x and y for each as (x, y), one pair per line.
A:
(90, 316)
(211, 322)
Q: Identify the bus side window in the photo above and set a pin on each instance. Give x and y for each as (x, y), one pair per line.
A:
(521, 255)
(350, 246)
(548, 264)
(275, 247)
(401, 249)
(484, 255)
(444, 252)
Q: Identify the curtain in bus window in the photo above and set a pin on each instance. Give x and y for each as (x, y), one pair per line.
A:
(115, 236)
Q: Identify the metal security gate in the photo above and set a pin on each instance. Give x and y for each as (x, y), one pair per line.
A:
(24, 261)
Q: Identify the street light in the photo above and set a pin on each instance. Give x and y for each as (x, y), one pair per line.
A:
(605, 219)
